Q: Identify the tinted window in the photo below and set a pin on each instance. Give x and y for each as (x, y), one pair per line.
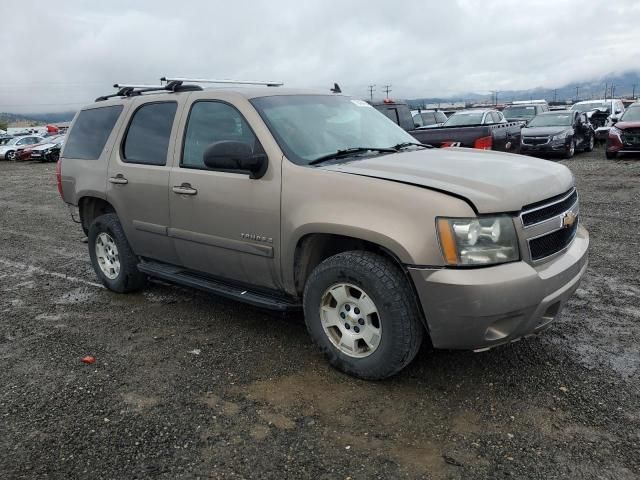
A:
(211, 122)
(91, 131)
(147, 139)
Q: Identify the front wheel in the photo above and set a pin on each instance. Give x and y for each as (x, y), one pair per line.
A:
(361, 311)
(10, 155)
(591, 144)
(113, 260)
(571, 151)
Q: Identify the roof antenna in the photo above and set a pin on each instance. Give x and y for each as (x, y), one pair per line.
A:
(336, 88)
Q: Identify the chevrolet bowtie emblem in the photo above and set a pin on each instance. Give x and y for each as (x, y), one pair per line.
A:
(569, 219)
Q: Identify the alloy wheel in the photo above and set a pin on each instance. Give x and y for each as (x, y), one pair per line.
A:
(350, 320)
(107, 256)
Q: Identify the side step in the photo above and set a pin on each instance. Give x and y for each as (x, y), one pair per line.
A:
(184, 277)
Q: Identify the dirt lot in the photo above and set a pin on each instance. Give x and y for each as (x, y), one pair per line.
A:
(187, 385)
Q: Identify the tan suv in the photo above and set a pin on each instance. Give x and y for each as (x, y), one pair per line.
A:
(292, 199)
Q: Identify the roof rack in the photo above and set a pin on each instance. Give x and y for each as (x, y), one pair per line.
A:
(127, 90)
(176, 85)
(223, 81)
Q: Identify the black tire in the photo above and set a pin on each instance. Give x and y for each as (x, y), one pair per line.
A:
(572, 150)
(387, 286)
(611, 155)
(591, 144)
(129, 277)
(54, 157)
(10, 155)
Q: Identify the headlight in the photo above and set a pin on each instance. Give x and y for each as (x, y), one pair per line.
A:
(478, 241)
(561, 136)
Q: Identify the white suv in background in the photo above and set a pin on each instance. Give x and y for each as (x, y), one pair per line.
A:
(614, 106)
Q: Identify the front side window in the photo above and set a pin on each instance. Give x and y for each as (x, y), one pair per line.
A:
(147, 139)
(90, 132)
(210, 122)
(429, 118)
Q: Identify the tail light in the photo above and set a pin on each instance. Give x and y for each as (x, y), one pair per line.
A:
(484, 143)
(59, 177)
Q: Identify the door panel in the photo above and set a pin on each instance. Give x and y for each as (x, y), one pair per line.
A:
(222, 222)
(138, 178)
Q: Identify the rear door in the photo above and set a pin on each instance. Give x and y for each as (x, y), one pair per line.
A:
(138, 176)
(224, 223)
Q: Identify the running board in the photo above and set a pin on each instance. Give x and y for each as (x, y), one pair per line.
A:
(184, 277)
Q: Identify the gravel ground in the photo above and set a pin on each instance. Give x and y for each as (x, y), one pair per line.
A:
(187, 385)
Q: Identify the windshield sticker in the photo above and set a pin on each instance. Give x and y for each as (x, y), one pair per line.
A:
(360, 103)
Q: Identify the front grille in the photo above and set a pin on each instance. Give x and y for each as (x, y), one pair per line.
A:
(632, 131)
(549, 211)
(631, 138)
(551, 243)
(535, 140)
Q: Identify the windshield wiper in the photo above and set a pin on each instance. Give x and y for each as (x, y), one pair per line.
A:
(400, 146)
(349, 152)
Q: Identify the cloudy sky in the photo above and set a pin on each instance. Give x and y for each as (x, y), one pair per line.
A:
(59, 57)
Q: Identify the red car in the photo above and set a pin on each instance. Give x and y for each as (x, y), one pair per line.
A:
(624, 136)
(24, 153)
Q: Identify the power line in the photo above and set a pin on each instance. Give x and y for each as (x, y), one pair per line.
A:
(371, 90)
(387, 89)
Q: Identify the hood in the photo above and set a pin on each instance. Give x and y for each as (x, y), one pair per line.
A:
(492, 182)
(543, 131)
(626, 125)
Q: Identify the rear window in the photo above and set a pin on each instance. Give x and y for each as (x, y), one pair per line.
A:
(90, 132)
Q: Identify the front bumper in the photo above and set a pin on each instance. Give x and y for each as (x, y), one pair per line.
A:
(545, 148)
(602, 133)
(480, 308)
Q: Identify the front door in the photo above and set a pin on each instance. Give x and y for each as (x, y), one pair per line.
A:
(224, 223)
(138, 179)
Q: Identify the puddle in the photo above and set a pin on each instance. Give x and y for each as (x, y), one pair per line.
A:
(78, 295)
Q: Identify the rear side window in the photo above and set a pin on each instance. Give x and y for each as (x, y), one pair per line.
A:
(148, 135)
(90, 132)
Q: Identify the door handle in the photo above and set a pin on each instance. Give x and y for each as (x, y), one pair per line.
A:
(118, 180)
(184, 189)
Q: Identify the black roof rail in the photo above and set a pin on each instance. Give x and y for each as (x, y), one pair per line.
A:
(134, 90)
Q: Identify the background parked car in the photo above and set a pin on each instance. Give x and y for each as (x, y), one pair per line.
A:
(524, 112)
(558, 133)
(8, 150)
(484, 129)
(601, 114)
(48, 152)
(624, 135)
(25, 152)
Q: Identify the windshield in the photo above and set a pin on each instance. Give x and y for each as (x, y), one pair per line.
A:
(464, 118)
(588, 106)
(552, 120)
(631, 115)
(308, 127)
(519, 112)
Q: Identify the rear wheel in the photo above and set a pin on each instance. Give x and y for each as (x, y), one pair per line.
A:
(361, 311)
(113, 260)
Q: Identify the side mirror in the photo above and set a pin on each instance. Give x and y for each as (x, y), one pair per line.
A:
(232, 155)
